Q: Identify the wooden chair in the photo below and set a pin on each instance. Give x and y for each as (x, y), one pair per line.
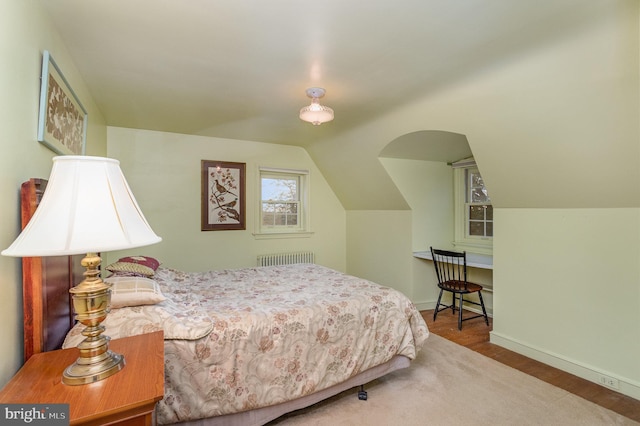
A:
(451, 270)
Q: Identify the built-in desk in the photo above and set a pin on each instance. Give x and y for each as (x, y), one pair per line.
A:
(480, 272)
(474, 260)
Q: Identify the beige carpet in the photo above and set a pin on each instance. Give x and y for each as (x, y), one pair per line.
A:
(448, 384)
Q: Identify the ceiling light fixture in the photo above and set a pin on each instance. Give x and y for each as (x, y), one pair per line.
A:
(316, 113)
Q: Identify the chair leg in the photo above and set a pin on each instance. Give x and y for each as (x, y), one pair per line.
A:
(460, 312)
(453, 303)
(484, 311)
(435, 312)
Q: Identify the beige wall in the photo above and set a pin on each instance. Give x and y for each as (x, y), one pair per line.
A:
(379, 247)
(25, 32)
(163, 170)
(427, 186)
(567, 289)
(555, 132)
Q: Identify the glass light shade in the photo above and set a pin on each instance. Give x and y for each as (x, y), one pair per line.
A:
(316, 113)
(87, 207)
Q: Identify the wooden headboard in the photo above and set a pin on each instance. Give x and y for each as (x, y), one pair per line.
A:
(46, 281)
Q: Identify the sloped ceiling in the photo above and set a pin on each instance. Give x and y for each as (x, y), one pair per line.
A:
(239, 70)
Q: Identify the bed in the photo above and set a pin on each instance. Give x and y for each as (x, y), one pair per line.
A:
(246, 346)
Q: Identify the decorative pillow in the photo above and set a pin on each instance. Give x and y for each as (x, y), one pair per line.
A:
(135, 265)
(134, 291)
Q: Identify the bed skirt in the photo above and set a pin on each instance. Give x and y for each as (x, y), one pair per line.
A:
(261, 416)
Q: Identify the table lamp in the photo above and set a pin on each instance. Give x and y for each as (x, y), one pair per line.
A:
(87, 208)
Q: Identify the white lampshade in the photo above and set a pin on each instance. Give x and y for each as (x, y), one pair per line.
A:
(87, 207)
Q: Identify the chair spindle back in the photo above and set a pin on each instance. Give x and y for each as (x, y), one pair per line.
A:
(450, 266)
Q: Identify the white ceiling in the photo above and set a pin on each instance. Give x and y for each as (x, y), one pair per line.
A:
(239, 68)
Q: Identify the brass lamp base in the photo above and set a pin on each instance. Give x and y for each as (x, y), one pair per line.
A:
(91, 304)
(81, 374)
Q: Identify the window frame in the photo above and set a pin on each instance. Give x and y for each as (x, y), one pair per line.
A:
(285, 231)
(462, 239)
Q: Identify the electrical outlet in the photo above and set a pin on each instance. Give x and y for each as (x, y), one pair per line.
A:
(609, 382)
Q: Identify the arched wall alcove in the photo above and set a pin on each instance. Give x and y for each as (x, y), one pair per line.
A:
(419, 163)
(428, 145)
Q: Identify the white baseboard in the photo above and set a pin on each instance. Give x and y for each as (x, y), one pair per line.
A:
(479, 310)
(626, 386)
(425, 306)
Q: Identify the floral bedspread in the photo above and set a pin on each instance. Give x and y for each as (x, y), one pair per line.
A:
(248, 338)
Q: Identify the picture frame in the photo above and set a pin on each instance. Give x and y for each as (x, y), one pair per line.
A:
(62, 119)
(223, 186)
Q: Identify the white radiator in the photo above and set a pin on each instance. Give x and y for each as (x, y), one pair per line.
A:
(286, 258)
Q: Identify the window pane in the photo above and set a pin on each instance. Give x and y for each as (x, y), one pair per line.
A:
(476, 212)
(267, 219)
(476, 229)
(476, 191)
(479, 195)
(281, 189)
(268, 207)
(489, 229)
(489, 212)
(280, 219)
(476, 179)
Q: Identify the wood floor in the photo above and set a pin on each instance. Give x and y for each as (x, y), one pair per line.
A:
(475, 336)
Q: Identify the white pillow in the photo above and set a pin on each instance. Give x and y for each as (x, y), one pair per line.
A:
(134, 291)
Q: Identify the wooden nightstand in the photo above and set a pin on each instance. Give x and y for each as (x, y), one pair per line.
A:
(126, 398)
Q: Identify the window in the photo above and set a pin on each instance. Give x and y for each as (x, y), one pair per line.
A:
(478, 206)
(473, 209)
(283, 201)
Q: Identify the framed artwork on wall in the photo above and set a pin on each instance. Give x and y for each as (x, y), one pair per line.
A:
(62, 120)
(223, 195)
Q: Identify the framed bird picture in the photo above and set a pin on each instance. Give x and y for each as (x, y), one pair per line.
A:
(62, 121)
(223, 195)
